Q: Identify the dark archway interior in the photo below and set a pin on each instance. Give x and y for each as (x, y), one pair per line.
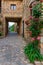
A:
(16, 20)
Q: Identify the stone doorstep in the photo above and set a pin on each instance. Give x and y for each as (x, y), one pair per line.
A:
(38, 63)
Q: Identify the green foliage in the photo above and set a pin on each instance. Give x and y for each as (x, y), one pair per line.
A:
(35, 29)
(11, 28)
(36, 11)
(32, 53)
(32, 50)
(0, 33)
(41, 24)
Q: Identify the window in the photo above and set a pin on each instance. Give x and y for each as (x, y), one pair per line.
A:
(13, 6)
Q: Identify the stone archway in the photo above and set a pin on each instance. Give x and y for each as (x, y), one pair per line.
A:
(16, 20)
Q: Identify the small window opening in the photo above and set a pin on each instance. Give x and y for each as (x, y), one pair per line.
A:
(13, 6)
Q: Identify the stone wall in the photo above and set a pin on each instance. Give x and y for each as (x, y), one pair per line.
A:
(8, 12)
(22, 11)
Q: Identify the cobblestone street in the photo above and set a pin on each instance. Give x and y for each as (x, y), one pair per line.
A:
(11, 51)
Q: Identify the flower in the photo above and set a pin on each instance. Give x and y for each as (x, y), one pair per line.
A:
(31, 17)
(38, 38)
(32, 39)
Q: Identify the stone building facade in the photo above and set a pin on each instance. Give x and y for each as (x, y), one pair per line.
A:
(17, 11)
(13, 10)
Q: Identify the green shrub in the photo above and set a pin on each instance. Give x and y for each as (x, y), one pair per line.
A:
(32, 53)
(36, 10)
(32, 50)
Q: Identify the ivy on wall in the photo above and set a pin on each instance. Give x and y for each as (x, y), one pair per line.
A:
(32, 50)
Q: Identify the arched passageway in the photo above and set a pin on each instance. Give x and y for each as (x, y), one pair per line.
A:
(14, 20)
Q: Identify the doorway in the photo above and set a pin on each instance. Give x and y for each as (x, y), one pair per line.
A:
(13, 26)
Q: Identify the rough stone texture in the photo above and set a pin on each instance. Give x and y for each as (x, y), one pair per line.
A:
(8, 12)
(22, 11)
(11, 51)
(37, 63)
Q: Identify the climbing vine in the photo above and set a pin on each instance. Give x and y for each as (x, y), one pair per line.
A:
(32, 50)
